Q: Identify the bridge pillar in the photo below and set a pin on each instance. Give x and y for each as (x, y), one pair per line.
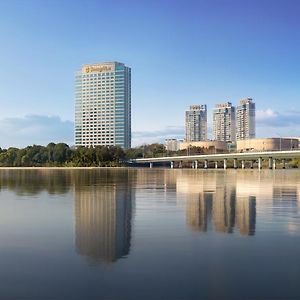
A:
(259, 163)
(206, 164)
(180, 164)
(283, 164)
(251, 164)
(243, 164)
(270, 162)
(225, 163)
(274, 164)
(151, 165)
(196, 164)
(216, 165)
(172, 164)
(235, 163)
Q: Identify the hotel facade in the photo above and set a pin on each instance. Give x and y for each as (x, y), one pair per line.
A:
(103, 105)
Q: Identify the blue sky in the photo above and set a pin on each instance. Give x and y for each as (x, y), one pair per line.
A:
(180, 52)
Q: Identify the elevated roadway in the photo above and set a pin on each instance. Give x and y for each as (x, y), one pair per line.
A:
(237, 158)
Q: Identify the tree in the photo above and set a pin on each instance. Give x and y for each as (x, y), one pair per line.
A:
(61, 153)
(50, 149)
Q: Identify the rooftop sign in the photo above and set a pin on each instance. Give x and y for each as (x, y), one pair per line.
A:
(97, 68)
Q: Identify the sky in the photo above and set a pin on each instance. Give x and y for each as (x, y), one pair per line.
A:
(181, 53)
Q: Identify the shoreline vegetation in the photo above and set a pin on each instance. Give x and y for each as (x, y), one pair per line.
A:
(60, 155)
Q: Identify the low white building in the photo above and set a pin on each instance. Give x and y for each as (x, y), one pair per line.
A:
(219, 146)
(172, 144)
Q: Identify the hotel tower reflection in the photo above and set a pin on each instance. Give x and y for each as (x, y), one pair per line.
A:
(103, 214)
(212, 202)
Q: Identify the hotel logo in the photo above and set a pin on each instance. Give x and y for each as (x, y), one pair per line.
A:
(96, 68)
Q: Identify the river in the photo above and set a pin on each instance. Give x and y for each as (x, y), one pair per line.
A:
(149, 234)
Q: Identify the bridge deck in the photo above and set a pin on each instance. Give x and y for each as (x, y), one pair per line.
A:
(220, 157)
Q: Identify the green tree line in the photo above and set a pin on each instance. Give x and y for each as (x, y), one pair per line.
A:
(61, 155)
(99, 156)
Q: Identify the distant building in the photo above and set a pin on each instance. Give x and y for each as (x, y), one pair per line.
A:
(172, 144)
(267, 144)
(196, 123)
(103, 105)
(245, 119)
(224, 122)
(292, 137)
(218, 146)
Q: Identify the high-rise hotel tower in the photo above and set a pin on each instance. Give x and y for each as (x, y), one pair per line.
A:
(245, 119)
(103, 105)
(196, 123)
(224, 122)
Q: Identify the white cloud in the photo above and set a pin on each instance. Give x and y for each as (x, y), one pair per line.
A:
(271, 123)
(275, 119)
(34, 129)
(265, 114)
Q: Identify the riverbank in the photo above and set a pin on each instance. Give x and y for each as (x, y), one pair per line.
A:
(58, 168)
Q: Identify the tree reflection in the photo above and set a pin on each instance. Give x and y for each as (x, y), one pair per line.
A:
(33, 182)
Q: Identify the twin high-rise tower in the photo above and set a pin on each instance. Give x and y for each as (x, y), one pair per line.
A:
(103, 105)
(196, 123)
(245, 120)
(224, 122)
(229, 123)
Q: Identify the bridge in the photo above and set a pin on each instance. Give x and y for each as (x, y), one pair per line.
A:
(238, 159)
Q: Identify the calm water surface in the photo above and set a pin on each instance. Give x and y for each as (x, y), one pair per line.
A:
(149, 234)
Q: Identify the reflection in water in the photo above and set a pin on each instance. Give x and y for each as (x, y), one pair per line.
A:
(199, 210)
(285, 198)
(102, 204)
(215, 200)
(224, 209)
(103, 214)
(37, 234)
(246, 215)
(35, 181)
(210, 199)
